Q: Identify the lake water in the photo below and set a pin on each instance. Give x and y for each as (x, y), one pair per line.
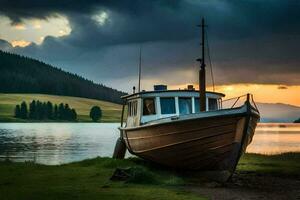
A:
(57, 143)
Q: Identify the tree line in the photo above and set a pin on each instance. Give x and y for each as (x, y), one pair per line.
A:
(38, 110)
(21, 74)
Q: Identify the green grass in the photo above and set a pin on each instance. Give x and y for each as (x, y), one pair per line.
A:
(89, 179)
(284, 164)
(111, 111)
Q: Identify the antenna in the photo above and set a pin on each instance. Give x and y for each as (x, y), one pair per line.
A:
(140, 69)
(202, 81)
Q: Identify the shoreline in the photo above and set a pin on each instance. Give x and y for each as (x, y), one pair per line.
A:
(257, 177)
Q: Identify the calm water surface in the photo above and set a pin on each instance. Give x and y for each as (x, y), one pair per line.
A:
(57, 143)
(275, 138)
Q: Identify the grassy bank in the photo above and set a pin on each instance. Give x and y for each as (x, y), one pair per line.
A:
(111, 111)
(285, 164)
(89, 179)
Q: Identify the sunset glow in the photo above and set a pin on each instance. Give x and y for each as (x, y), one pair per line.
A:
(264, 93)
(20, 43)
(33, 30)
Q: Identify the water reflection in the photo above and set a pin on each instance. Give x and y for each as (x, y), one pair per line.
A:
(56, 143)
(276, 138)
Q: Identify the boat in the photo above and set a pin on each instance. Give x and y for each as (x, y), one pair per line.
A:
(187, 129)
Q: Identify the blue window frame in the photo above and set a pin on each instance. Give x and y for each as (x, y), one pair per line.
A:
(185, 105)
(197, 105)
(167, 105)
(212, 104)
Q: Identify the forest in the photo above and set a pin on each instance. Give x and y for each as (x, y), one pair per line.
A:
(45, 111)
(20, 74)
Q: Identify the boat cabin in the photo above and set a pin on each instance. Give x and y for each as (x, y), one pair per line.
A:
(147, 106)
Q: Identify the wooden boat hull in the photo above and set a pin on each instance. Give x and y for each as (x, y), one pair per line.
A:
(214, 141)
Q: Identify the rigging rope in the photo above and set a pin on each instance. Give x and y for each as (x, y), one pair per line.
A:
(210, 63)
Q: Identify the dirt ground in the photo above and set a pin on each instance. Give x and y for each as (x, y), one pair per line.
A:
(248, 185)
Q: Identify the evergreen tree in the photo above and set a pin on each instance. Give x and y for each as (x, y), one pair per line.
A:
(17, 111)
(23, 110)
(61, 110)
(95, 113)
(44, 110)
(49, 110)
(68, 112)
(73, 115)
(39, 110)
(55, 115)
(32, 110)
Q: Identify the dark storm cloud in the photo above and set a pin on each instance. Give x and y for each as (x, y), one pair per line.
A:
(155, 19)
(140, 20)
(253, 37)
(124, 15)
(19, 9)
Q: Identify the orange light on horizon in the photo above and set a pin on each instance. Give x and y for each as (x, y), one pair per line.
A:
(20, 43)
(264, 93)
(33, 30)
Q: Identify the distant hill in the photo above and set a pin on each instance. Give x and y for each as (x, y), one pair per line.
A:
(19, 74)
(111, 111)
(278, 112)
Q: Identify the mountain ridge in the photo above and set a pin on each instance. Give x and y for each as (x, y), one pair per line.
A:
(278, 112)
(20, 74)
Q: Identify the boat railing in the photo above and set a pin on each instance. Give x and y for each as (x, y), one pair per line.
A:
(238, 102)
(252, 102)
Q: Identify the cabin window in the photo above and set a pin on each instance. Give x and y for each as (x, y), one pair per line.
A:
(185, 105)
(129, 108)
(132, 108)
(167, 105)
(212, 104)
(197, 105)
(149, 106)
(220, 103)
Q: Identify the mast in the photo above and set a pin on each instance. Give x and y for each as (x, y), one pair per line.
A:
(202, 81)
(140, 69)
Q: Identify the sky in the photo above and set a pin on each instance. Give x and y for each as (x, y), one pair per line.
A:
(253, 44)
